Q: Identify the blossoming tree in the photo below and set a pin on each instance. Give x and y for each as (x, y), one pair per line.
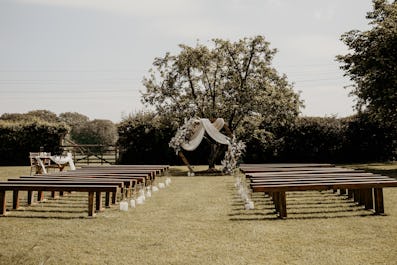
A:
(232, 80)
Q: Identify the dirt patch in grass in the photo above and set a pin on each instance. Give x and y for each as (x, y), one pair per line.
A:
(200, 220)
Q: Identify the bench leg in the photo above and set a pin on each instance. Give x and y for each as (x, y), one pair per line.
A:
(362, 196)
(107, 199)
(91, 203)
(368, 199)
(276, 201)
(15, 199)
(40, 196)
(30, 197)
(378, 197)
(282, 204)
(129, 191)
(98, 201)
(356, 196)
(3, 204)
(114, 197)
(123, 193)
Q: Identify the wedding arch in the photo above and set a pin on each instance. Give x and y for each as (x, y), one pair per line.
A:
(190, 135)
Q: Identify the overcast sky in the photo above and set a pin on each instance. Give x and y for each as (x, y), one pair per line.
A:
(90, 56)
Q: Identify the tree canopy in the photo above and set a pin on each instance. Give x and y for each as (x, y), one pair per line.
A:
(231, 80)
(43, 115)
(95, 132)
(73, 118)
(372, 62)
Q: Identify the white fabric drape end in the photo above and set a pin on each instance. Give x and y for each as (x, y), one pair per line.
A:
(214, 133)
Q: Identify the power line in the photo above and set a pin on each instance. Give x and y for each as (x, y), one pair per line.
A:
(316, 80)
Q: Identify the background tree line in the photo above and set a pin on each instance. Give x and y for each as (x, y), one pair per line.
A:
(358, 138)
(143, 139)
(21, 133)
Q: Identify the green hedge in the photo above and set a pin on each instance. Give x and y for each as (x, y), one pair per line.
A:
(144, 140)
(21, 137)
(314, 139)
(368, 140)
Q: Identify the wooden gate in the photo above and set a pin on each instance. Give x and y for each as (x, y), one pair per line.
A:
(93, 153)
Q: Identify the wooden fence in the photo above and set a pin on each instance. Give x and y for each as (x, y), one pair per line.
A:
(93, 153)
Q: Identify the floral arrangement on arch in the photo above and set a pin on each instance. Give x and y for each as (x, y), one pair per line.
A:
(232, 155)
(183, 135)
(234, 151)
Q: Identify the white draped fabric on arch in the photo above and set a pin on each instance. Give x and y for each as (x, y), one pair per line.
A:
(190, 135)
(203, 126)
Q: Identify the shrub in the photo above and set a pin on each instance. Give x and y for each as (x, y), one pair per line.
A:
(368, 140)
(144, 140)
(18, 138)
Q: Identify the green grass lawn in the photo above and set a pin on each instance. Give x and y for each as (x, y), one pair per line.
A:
(201, 220)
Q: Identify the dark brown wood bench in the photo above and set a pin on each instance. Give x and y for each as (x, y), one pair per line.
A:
(288, 165)
(301, 171)
(296, 169)
(73, 181)
(368, 193)
(129, 188)
(91, 189)
(156, 169)
(117, 170)
(282, 166)
(162, 168)
(261, 175)
(143, 178)
(365, 188)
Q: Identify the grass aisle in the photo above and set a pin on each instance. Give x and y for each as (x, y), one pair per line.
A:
(200, 220)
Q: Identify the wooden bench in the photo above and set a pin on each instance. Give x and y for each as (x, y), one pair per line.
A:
(127, 190)
(142, 178)
(365, 188)
(162, 168)
(153, 170)
(280, 171)
(285, 165)
(73, 181)
(366, 193)
(150, 173)
(91, 189)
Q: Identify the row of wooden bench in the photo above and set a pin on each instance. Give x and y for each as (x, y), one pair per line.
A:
(111, 180)
(276, 179)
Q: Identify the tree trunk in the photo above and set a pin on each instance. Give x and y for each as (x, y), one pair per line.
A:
(215, 151)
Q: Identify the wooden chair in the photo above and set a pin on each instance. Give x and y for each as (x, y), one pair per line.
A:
(34, 164)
